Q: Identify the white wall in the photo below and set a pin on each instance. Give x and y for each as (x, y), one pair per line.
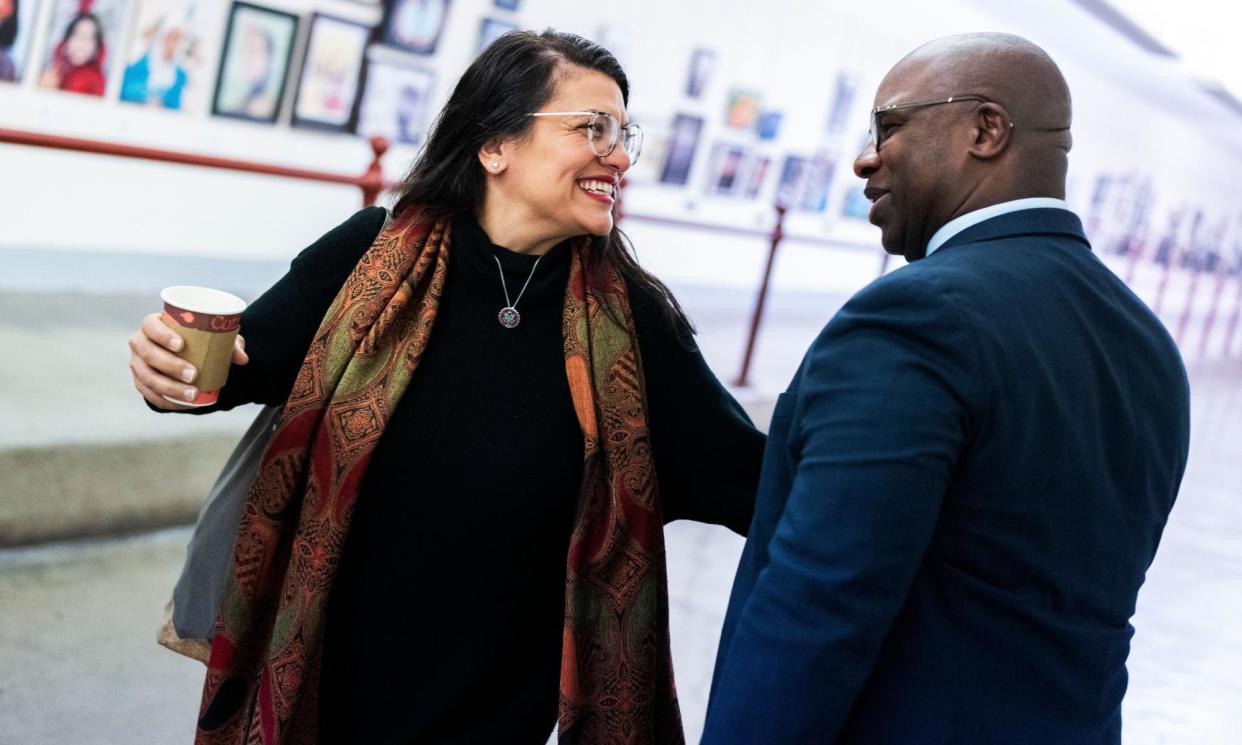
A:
(790, 50)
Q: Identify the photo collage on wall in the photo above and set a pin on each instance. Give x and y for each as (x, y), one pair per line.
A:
(165, 64)
(733, 167)
(331, 69)
(244, 60)
(16, 28)
(739, 167)
(415, 25)
(741, 163)
(855, 205)
(81, 45)
(686, 129)
(255, 64)
(492, 28)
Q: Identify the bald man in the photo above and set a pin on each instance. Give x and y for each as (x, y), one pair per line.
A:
(968, 476)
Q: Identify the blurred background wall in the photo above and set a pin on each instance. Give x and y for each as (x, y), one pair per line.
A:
(744, 104)
(777, 91)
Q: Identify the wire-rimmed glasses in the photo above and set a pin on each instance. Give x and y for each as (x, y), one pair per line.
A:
(604, 132)
(876, 135)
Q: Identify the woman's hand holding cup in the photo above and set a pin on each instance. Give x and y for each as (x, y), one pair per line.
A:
(164, 350)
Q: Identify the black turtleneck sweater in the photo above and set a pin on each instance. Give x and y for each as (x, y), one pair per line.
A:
(445, 619)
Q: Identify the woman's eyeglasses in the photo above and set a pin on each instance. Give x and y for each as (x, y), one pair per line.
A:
(604, 132)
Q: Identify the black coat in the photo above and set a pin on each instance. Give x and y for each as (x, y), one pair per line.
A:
(445, 619)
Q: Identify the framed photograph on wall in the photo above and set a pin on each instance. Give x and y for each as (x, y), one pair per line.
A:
(843, 95)
(702, 65)
(856, 206)
(819, 178)
(414, 25)
(725, 168)
(166, 63)
(81, 44)
(683, 141)
(743, 109)
(793, 182)
(396, 98)
(258, 44)
(17, 18)
(328, 84)
(756, 174)
(491, 29)
(768, 125)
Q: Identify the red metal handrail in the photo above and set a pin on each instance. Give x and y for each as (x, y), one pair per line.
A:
(775, 236)
(764, 233)
(371, 182)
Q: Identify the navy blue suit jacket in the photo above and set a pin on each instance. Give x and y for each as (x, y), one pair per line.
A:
(962, 491)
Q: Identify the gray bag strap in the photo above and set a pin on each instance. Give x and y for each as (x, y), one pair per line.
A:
(196, 598)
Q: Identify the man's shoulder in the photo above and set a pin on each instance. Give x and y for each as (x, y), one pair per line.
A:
(913, 301)
(974, 274)
(916, 283)
(1012, 265)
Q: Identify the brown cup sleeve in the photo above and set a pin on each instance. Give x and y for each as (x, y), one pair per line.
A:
(209, 352)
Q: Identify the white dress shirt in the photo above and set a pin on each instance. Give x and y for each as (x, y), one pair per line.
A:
(960, 223)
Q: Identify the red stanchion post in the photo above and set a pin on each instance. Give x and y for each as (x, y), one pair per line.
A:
(1137, 248)
(1221, 276)
(1233, 320)
(1190, 304)
(617, 211)
(372, 180)
(743, 378)
(1175, 253)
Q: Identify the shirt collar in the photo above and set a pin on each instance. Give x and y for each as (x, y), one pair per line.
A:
(960, 223)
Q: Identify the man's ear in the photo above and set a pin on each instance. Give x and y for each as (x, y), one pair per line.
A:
(992, 131)
(492, 156)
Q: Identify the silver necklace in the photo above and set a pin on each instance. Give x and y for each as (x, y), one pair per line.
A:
(508, 315)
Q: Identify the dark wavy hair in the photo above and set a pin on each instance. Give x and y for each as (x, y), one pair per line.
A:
(8, 28)
(515, 75)
(96, 24)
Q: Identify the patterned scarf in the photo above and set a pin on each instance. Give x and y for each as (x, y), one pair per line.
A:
(616, 670)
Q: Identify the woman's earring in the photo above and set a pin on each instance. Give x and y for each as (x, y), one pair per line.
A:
(495, 164)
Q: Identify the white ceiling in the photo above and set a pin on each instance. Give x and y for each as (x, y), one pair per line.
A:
(1174, 83)
(1203, 33)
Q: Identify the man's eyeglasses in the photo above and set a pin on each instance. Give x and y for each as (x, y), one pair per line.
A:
(876, 133)
(603, 133)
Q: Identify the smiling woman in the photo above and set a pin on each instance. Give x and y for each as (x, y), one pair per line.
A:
(556, 182)
(490, 411)
(520, 135)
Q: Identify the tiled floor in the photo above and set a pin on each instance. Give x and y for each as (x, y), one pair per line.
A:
(1186, 656)
(78, 663)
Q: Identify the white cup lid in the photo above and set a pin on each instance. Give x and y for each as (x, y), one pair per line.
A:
(203, 300)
